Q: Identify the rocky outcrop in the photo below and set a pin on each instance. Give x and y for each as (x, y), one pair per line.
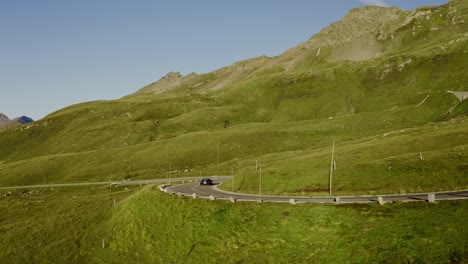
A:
(4, 119)
(168, 82)
(356, 37)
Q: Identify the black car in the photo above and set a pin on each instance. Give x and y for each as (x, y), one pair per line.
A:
(206, 181)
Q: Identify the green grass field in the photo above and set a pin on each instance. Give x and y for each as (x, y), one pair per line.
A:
(148, 226)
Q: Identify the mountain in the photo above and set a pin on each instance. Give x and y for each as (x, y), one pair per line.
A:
(375, 81)
(24, 120)
(5, 121)
(364, 34)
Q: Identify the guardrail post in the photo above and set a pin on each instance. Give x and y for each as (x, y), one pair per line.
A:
(431, 197)
(380, 200)
(337, 200)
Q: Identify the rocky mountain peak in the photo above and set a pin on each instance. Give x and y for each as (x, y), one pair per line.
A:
(361, 27)
(369, 32)
(359, 22)
(24, 119)
(169, 81)
(364, 33)
(172, 76)
(4, 118)
(5, 121)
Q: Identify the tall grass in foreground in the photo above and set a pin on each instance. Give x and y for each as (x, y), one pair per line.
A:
(159, 228)
(82, 225)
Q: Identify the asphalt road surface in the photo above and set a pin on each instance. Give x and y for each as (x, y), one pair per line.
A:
(140, 182)
(191, 186)
(213, 192)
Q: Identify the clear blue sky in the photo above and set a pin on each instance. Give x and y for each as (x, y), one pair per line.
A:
(54, 53)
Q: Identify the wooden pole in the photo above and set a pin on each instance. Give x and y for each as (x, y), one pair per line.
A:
(217, 163)
(260, 167)
(331, 167)
(232, 179)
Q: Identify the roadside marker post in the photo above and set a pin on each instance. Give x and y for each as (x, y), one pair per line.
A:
(258, 166)
(331, 167)
(380, 200)
(337, 200)
(217, 163)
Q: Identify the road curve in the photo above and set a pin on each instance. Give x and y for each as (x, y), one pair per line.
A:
(190, 186)
(193, 189)
(138, 182)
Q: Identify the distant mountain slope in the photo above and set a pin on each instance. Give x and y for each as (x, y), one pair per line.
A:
(363, 34)
(5, 121)
(376, 81)
(24, 119)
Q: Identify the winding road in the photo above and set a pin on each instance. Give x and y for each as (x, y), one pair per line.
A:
(139, 182)
(193, 189)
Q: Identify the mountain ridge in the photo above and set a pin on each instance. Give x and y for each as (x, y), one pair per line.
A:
(5, 121)
(3, 118)
(284, 110)
(381, 30)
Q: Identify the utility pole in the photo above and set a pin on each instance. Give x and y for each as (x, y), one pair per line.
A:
(331, 166)
(260, 179)
(232, 179)
(217, 163)
(258, 166)
(169, 172)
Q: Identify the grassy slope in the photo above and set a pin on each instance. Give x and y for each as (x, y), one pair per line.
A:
(283, 114)
(66, 150)
(147, 226)
(284, 111)
(54, 225)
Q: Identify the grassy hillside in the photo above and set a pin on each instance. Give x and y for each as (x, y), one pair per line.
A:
(375, 82)
(147, 226)
(384, 112)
